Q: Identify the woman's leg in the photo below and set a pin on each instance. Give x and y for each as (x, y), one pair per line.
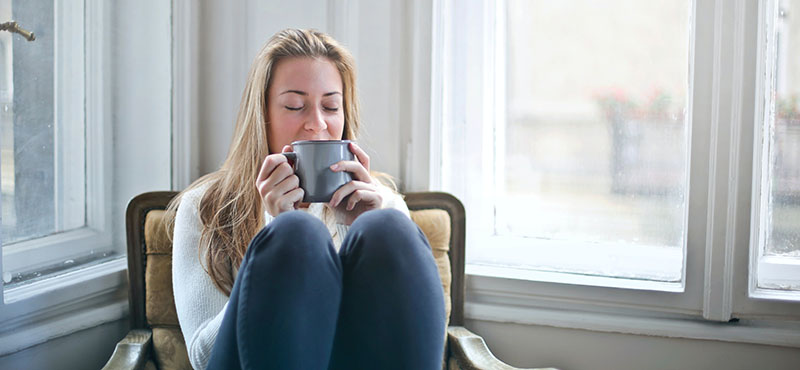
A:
(284, 303)
(392, 310)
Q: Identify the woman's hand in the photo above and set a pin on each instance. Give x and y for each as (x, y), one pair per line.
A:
(277, 184)
(359, 195)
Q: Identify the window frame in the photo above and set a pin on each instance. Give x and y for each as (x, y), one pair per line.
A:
(717, 253)
(776, 269)
(98, 293)
(38, 311)
(82, 128)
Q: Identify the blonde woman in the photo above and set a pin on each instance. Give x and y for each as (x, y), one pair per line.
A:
(264, 281)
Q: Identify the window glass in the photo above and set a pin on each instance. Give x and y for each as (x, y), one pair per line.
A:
(784, 159)
(594, 147)
(779, 241)
(27, 123)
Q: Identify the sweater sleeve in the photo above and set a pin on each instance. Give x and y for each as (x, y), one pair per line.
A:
(199, 304)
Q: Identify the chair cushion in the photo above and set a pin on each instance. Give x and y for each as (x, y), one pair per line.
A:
(168, 342)
(156, 239)
(159, 302)
(150, 365)
(169, 349)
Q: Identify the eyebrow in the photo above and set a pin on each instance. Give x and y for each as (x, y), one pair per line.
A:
(303, 93)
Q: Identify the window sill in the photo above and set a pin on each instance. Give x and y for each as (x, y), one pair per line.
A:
(502, 297)
(488, 270)
(633, 266)
(54, 307)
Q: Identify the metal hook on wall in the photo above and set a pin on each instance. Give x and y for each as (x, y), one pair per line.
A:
(13, 27)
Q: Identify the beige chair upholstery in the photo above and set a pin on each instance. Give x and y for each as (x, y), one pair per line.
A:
(156, 341)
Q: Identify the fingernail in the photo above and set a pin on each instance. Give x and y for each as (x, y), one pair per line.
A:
(335, 167)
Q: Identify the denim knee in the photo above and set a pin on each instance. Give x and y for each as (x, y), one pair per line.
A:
(386, 231)
(294, 237)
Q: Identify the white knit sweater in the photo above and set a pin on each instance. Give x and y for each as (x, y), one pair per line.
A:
(200, 305)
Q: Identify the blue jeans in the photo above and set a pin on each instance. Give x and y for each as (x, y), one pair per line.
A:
(298, 304)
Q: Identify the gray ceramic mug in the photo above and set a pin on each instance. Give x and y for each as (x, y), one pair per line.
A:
(312, 160)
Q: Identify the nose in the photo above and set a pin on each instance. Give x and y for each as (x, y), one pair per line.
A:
(315, 122)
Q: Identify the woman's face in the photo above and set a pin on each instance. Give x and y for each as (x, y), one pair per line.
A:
(304, 102)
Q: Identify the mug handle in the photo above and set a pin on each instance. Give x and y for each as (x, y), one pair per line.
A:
(291, 156)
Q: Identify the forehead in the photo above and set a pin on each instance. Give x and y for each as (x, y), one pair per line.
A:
(310, 75)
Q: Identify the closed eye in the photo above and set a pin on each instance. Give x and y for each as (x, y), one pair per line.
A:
(332, 109)
(293, 108)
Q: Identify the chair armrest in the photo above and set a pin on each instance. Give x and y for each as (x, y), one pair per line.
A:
(471, 352)
(131, 352)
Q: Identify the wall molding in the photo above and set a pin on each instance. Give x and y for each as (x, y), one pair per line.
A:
(185, 164)
(753, 332)
(416, 147)
(343, 25)
(63, 324)
(68, 303)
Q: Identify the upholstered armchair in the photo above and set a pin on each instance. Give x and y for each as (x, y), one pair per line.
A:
(155, 340)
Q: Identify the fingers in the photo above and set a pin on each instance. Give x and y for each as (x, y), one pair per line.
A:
(284, 196)
(286, 202)
(289, 201)
(359, 168)
(361, 155)
(278, 185)
(359, 172)
(367, 191)
(279, 174)
(368, 197)
(288, 184)
(269, 164)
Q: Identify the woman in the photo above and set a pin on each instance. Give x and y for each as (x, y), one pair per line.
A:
(346, 284)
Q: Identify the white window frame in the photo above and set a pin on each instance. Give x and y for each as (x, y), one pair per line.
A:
(715, 302)
(771, 270)
(36, 312)
(80, 191)
(98, 293)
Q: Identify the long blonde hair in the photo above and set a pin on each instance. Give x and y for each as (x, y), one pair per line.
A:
(231, 210)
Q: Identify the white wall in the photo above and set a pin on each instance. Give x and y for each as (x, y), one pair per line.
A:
(242, 27)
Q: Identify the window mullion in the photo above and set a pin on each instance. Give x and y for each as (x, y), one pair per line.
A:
(724, 159)
(70, 175)
(99, 137)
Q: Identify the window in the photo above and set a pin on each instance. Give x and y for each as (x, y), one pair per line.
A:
(777, 248)
(592, 152)
(44, 151)
(586, 159)
(603, 154)
(71, 157)
(93, 93)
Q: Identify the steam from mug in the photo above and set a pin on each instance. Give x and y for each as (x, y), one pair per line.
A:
(311, 161)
